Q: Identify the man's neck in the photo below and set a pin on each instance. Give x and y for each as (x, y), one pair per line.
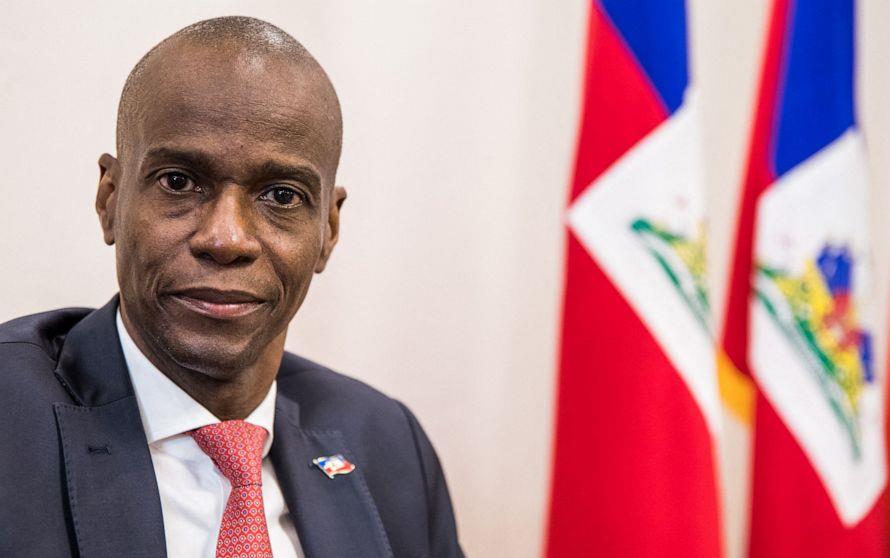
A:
(230, 399)
(227, 400)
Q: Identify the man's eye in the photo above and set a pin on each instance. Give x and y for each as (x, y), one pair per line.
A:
(176, 181)
(284, 197)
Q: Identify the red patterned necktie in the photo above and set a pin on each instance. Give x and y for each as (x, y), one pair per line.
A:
(236, 447)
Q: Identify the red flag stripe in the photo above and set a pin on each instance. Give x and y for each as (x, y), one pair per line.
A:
(633, 473)
(792, 514)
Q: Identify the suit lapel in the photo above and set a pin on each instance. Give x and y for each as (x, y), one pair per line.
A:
(334, 517)
(112, 492)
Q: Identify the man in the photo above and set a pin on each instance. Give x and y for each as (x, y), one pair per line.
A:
(171, 421)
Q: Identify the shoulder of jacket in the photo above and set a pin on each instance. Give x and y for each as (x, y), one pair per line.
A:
(315, 386)
(45, 330)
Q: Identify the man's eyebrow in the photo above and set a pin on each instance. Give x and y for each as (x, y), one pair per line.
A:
(275, 169)
(192, 158)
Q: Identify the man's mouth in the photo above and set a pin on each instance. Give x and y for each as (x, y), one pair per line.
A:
(218, 304)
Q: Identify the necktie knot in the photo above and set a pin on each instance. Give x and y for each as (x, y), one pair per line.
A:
(236, 447)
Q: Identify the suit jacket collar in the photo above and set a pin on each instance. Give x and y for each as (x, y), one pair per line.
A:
(91, 364)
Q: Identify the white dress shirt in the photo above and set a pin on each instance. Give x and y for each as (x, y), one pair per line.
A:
(193, 491)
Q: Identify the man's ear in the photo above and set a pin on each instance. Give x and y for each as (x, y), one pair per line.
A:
(332, 230)
(106, 195)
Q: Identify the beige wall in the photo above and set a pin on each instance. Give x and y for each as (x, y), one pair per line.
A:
(460, 127)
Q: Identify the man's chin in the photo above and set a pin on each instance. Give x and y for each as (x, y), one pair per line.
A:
(221, 363)
(221, 354)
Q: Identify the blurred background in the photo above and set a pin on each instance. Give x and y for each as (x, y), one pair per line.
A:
(446, 290)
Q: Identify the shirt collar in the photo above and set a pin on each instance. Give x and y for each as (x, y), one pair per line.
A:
(166, 410)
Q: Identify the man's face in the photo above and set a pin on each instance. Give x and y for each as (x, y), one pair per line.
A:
(223, 206)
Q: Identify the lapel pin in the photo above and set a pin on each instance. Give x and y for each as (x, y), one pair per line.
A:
(333, 465)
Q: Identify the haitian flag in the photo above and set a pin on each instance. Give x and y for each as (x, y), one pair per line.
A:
(638, 408)
(799, 318)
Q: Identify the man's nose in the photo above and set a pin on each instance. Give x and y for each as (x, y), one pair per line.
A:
(226, 233)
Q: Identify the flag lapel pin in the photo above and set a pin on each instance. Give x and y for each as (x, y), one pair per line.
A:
(333, 465)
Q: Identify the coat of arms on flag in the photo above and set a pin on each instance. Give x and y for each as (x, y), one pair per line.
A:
(811, 343)
(683, 259)
(816, 312)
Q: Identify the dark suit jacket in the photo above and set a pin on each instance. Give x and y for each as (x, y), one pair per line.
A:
(76, 477)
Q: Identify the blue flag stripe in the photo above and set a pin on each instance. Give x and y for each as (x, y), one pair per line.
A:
(816, 104)
(655, 31)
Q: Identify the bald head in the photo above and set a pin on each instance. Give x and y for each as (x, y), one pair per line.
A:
(250, 43)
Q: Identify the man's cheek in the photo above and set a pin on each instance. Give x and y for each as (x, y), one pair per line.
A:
(295, 273)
